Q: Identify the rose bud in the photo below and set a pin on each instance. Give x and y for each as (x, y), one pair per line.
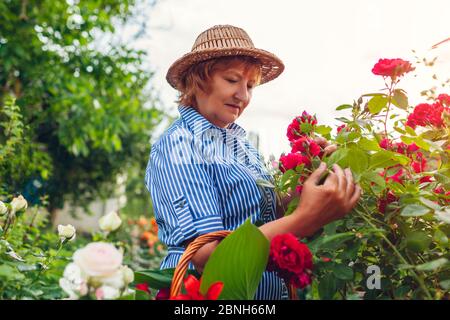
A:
(66, 232)
(110, 222)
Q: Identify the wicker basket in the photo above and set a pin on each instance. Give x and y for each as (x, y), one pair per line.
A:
(190, 251)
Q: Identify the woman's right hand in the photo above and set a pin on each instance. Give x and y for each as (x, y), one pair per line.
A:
(321, 204)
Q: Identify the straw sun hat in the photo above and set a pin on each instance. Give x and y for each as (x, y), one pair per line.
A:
(221, 41)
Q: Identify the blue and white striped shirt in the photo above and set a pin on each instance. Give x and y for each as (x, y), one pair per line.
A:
(202, 178)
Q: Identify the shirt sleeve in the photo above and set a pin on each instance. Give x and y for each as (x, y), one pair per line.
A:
(183, 192)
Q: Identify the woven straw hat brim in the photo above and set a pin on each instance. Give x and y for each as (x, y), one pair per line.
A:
(272, 66)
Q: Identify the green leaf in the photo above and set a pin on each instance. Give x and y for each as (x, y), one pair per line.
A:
(443, 215)
(330, 241)
(417, 140)
(430, 204)
(432, 265)
(327, 287)
(375, 178)
(414, 210)
(445, 284)
(358, 160)
(342, 272)
(376, 104)
(400, 99)
(443, 176)
(440, 237)
(410, 131)
(239, 262)
(399, 130)
(337, 156)
(418, 241)
(384, 159)
(323, 130)
(286, 177)
(369, 144)
(344, 106)
(156, 279)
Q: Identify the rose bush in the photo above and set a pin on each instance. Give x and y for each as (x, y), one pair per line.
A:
(399, 155)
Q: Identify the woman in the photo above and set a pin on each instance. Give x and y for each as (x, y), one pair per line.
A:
(202, 174)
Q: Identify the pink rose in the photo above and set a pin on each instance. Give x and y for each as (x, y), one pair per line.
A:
(98, 259)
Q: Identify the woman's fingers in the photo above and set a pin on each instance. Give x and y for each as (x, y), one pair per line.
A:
(356, 194)
(342, 180)
(332, 182)
(321, 141)
(329, 149)
(350, 182)
(317, 174)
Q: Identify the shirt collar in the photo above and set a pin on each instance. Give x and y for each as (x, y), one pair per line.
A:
(199, 124)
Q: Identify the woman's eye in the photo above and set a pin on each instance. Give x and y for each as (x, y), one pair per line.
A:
(231, 80)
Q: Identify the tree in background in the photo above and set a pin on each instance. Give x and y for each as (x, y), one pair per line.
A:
(76, 110)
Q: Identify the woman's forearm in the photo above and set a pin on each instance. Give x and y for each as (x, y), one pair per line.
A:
(294, 223)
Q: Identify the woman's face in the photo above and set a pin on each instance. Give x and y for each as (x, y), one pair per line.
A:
(231, 92)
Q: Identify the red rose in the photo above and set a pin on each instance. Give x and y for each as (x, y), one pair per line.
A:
(420, 163)
(384, 201)
(300, 145)
(192, 286)
(412, 148)
(163, 294)
(425, 114)
(291, 259)
(292, 160)
(397, 177)
(307, 146)
(301, 280)
(289, 255)
(314, 149)
(426, 179)
(385, 144)
(343, 127)
(444, 99)
(143, 287)
(392, 68)
(294, 129)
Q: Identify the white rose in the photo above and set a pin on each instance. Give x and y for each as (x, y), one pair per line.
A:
(110, 222)
(66, 232)
(128, 275)
(3, 208)
(115, 280)
(73, 282)
(98, 259)
(19, 203)
(107, 293)
(119, 280)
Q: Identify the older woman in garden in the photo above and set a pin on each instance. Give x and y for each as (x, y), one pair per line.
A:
(202, 174)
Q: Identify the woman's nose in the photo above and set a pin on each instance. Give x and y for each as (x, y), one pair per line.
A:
(242, 93)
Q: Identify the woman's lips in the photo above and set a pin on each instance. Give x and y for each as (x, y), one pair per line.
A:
(232, 106)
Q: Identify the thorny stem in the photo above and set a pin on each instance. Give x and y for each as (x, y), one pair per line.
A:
(388, 107)
(399, 255)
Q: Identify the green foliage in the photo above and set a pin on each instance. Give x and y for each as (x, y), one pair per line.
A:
(239, 262)
(32, 258)
(84, 109)
(401, 222)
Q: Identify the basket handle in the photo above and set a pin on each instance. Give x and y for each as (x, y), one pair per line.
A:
(190, 251)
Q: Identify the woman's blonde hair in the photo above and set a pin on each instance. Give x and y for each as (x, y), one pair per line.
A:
(199, 75)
